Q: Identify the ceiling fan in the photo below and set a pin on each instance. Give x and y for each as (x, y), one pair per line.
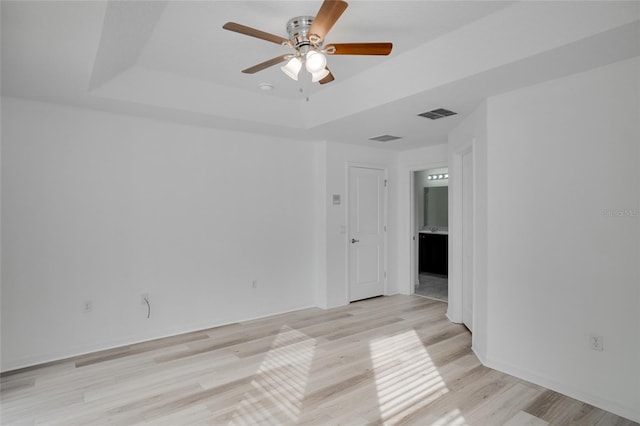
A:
(306, 37)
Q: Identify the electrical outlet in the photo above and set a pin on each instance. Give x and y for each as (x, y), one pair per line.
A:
(144, 297)
(87, 306)
(254, 284)
(597, 344)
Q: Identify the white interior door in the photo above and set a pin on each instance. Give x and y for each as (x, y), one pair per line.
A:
(467, 239)
(366, 232)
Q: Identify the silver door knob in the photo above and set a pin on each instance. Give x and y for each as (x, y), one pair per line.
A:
(353, 240)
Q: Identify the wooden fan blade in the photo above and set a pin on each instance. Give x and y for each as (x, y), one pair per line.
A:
(243, 29)
(266, 64)
(327, 79)
(359, 48)
(326, 17)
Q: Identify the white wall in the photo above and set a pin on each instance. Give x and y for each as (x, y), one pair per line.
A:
(337, 157)
(103, 207)
(561, 155)
(471, 134)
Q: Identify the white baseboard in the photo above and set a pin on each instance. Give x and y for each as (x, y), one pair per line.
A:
(631, 413)
(47, 358)
(451, 319)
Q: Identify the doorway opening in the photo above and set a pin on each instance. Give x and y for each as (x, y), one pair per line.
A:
(431, 232)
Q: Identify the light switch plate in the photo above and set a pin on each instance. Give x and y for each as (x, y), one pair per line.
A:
(335, 199)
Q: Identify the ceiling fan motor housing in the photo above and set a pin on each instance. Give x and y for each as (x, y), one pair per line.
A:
(298, 30)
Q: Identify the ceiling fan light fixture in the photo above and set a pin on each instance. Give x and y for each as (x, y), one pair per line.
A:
(306, 36)
(317, 76)
(292, 68)
(315, 61)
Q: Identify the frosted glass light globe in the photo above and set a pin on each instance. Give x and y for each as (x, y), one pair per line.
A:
(317, 76)
(292, 68)
(315, 61)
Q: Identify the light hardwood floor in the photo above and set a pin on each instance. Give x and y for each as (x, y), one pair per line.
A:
(388, 360)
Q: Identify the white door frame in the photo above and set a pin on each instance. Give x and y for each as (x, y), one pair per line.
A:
(413, 232)
(454, 311)
(468, 257)
(349, 165)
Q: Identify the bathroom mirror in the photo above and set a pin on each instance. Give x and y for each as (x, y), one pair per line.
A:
(436, 206)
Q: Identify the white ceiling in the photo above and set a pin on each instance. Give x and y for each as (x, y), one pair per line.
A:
(173, 61)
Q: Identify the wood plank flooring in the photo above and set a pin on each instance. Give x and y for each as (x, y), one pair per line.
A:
(388, 360)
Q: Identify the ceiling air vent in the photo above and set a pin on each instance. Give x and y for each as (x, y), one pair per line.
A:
(437, 113)
(385, 138)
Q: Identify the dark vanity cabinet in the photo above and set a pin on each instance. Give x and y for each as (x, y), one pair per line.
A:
(434, 253)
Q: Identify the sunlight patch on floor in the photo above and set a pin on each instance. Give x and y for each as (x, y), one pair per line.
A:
(452, 418)
(406, 378)
(278, 388)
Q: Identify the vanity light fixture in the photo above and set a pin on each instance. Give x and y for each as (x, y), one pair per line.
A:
(438, 176)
